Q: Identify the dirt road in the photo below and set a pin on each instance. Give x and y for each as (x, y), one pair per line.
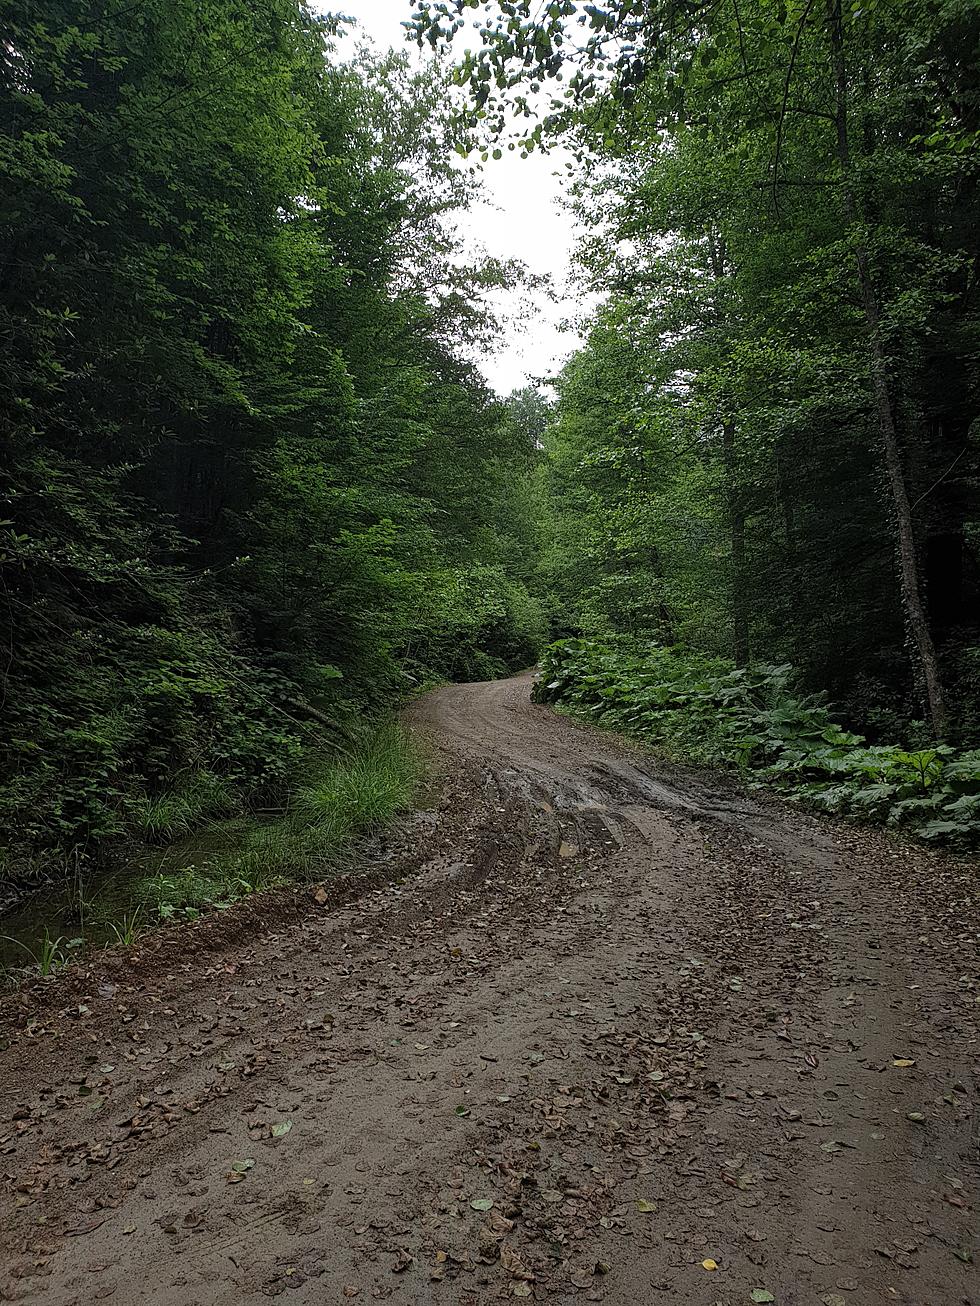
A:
(584, 1030)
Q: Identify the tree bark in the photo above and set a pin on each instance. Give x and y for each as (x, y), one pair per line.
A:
(910, 579)
(736, 521)
(736, 512)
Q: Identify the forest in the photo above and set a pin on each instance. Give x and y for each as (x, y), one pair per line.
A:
(257, 493)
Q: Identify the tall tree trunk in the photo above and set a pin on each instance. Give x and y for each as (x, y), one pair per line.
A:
(911, 584)
(736, 520)
(718, 257)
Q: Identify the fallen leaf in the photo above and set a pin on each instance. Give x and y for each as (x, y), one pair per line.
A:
(643, 1205)
(761, 1295)
(281, 1128)
(499, 1223)
(481, 1203)
(89, 1226)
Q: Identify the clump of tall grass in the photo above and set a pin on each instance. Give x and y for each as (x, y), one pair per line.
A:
(358, 794)
(200, 796)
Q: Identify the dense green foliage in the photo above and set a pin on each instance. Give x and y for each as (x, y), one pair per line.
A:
(336, 802)
(706, 709)
(253, 489)
(768, 447)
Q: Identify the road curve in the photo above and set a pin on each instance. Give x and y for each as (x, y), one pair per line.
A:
(583, 1029)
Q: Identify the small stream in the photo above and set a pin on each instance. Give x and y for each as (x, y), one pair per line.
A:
(156, 885)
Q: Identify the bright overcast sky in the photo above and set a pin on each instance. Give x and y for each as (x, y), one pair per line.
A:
(523, 220)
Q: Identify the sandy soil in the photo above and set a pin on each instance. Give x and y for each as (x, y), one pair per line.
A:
(585, 1030)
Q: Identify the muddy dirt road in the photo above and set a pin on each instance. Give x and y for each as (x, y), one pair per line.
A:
(584, 1031)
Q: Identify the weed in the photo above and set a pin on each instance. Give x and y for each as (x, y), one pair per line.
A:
(128, 928)
(50, 954)
(201, 795)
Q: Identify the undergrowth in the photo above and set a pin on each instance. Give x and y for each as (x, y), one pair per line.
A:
(708, 711)
(335, 801)
(197, 796)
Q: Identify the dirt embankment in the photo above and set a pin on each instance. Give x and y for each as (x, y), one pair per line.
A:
(584, 1030)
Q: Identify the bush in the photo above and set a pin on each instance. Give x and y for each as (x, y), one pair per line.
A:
(709, 711)
(473, 623)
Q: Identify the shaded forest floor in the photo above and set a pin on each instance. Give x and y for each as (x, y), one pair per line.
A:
(583, 1030)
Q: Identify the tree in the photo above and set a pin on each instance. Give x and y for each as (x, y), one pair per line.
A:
(853, 134)
(256, 488)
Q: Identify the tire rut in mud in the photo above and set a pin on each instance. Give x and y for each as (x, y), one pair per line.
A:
(585, 1027)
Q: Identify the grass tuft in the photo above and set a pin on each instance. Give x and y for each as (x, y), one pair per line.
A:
(200, 797)
(359, 794)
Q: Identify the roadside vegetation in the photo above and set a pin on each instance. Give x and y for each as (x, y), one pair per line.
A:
(708, 711)
(336, 802)
(256, 492)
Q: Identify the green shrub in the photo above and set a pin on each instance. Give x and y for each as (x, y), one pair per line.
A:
(709, 711)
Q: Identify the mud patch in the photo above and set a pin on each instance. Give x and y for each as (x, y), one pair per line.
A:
(585, 1030)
